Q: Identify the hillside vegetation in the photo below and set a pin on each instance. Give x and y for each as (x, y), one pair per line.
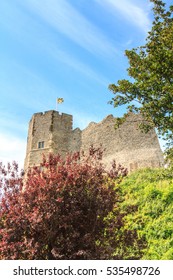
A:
(149, 193)
(75, 209)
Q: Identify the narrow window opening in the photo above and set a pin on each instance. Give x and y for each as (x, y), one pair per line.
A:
(41, 145)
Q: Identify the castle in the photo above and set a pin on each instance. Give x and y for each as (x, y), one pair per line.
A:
(52, 132)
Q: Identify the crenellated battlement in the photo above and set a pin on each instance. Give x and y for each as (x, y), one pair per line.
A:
(53, 132)
(48, 132)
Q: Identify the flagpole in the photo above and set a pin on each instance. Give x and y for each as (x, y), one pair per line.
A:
(59, 101)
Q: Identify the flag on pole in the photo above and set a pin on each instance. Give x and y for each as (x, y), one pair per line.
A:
(60, 100)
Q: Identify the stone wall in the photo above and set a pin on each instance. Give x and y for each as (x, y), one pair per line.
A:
(127, 144)
(53, 129)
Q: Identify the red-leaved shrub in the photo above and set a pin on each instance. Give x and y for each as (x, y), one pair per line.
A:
(58, 210)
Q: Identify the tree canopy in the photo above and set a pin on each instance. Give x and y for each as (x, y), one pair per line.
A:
(149, 90)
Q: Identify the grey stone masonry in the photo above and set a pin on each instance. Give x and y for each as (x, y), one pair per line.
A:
(52, 132)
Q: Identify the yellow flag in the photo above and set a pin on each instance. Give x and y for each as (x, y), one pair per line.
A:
(60, 100)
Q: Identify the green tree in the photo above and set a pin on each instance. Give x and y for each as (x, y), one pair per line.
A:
(149, 90)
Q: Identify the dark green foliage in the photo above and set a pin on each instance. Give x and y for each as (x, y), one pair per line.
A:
(149, 90)
(169, 158)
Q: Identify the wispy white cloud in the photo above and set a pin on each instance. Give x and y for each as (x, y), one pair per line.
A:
(13, 136)
(12, 148)
(76, 64)
(30, 95)
(131, 10)
(64, 18)
(9, 122)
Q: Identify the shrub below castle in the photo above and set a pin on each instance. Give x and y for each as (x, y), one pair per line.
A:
(150, 192)
(65, 209)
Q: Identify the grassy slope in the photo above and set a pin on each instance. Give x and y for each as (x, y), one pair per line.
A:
(151, 193)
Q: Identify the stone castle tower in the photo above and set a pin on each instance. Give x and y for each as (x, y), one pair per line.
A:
(53, 132)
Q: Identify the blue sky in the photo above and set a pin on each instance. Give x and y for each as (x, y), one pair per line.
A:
(63, 48)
